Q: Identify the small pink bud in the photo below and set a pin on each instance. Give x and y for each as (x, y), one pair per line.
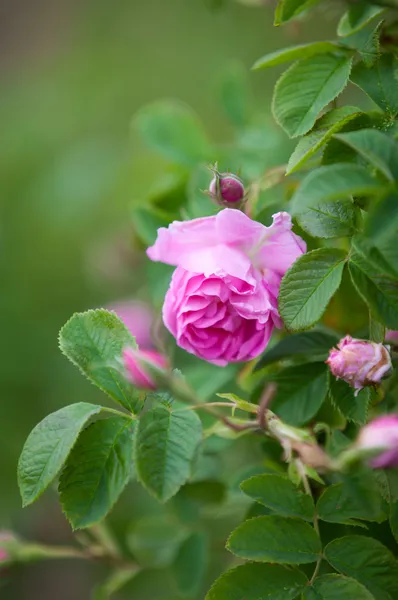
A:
(381, 434)
(392, 337)
(358, 362)
(138, 318)
(227, 189)
(141, 367)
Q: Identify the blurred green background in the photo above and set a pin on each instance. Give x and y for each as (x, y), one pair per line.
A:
(73, 73)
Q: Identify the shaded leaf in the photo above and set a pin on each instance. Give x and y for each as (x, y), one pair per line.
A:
(48, 446)
(97, 471)
(368, 561)
(357, 17)
(308, 344)
(336, 587)
(279, 494)
(258, 582)
(275, 539)
(166, 442)
(376, 147)
(379, 82)
(190, 564)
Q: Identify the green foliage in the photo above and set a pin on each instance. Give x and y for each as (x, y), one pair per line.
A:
(295, 53)
(357, 17)
(377, 148)
(300, 392)
(94, 342)
(366, 560)
(336, 587)
(166, 443)
(308, 286)
(306, 88)
(379, 82)
(288, 9)
(256, 582)
(313, 345)
(325, 127)
(48, 446)
(190, 564)
(275, 539)
(279, 494)
(96, 471)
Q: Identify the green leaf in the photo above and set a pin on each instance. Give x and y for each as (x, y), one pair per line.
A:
(279, 494)
(115, 582)
(376, 147)
(307, 345)
(174, 130)
(354, 408)
(275, 539)
(308, 286)
(235, 96)
(377, 286)
(331, 219)
(377, 331)
(295, 53)
(336, 587)
(48, 446)
(368, 561)
(96, 471)
(379, 82)
(367, 42)
(258, 582)
(94, 341)
(288, 9)
(357, 497)
(155, 540)
(334, 182)
(394, 520)
(357, 17)
(382, 229)
(300, 392)
(327, 125)
(306, 88)
(190, 564)
(165, 445)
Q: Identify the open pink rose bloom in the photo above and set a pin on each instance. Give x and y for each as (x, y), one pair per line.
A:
(222, 301)
(381, 434)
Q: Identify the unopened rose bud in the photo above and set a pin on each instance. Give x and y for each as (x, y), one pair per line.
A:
(227, 189)
(358, 362)
(142, 366)
(381, 435)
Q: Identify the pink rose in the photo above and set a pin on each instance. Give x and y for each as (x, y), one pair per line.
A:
(358, 362)
(141, 365)
(138, 318)
(381, 434)
(222, 301)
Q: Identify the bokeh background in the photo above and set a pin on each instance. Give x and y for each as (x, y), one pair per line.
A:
(73, 168)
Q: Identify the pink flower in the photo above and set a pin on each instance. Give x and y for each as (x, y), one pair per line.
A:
(392, 337)
(227, 189)
(222, 301)
(3, 555)
(140, 366)
(358, 362)
(381, 434)
(138, 318)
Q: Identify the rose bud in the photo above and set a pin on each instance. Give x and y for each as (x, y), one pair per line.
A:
(381, 434)
(142, 366)
(358, 362)
(138, 318)
(222, 302)
(227, 189)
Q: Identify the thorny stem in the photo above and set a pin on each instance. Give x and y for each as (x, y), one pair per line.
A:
(308, 491)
